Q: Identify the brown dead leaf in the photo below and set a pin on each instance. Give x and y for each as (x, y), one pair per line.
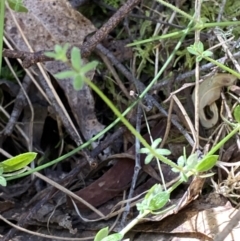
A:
(57, 22)
(209, 92)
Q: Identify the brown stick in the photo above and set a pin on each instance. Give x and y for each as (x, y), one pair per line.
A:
(102, 33)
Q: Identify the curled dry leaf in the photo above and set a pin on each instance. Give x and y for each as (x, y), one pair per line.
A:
(209, 92)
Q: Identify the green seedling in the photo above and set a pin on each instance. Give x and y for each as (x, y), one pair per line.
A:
(79, 69)
(160, 151)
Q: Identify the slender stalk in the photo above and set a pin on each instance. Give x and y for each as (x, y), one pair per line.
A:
(222, 66)
(185, 32)
(223, 141)
(128, 125)
(175, 9)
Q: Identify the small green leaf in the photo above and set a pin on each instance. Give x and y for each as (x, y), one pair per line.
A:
(17, 5)
(65, 47)
(101, 234)
(60, 52)
(148, 158)
(65, 74)
(199, 46)
(141, 208)
(159, 201)
(181, 161)
(3, 181)
(199, 58)
(156, 143)
(88, 67)
(192, 161)
(163, 152)
(18, 162)
(175, 170)
(78, 82)
(144, 150)
(236, 113)
(154, 199)
(58, 48)
(153, 190)
(113, 237)
(76, 59)
(207, 53)
(206, 163)
(192, 50)
(50, 54)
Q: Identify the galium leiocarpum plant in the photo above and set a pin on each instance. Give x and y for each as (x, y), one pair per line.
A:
(156, 198)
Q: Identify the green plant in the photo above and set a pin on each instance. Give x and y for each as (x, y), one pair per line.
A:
(197, 49)
(154, 145)
(113, 3)
(79, 70)
(156, 198)
(14, 164)
(7, 73)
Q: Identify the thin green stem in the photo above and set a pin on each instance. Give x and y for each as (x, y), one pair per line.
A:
(179, 33)
(175, 185)
(175, 9)
(128, 125)
(223, 141)
(86, 144)
(156, 38)
(222, 66)
(185, 32)
(134, 222)
(219, 24)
